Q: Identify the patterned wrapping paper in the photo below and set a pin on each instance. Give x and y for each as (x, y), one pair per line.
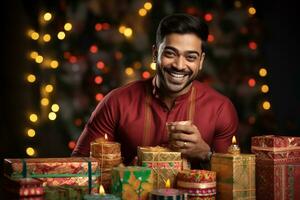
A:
(107, 148)
(277, 166)
(108, 154)
(109, 163)
(66, 192)
(132, 183)
(277, 149)
(56, 171)
(235, 175)
(164, 163)
(199, 184)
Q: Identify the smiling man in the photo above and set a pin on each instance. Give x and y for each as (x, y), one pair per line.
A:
(200, 120)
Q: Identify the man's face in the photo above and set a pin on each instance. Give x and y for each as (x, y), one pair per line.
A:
(179, 59)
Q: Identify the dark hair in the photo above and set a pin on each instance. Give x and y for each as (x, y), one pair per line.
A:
(181, 23)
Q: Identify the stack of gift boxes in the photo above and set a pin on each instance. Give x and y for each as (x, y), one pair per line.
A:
(108, 154)
(272, 169)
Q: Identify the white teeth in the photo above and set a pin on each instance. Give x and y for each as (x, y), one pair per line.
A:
(177, 75)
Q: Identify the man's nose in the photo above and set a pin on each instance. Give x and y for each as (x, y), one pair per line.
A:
(179, 62)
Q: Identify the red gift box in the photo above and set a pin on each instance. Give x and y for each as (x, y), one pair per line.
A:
(71, 171)
(277, 167)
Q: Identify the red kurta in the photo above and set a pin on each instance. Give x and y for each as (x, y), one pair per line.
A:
(135, 116)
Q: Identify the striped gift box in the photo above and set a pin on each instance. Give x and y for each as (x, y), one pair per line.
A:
(198, 184)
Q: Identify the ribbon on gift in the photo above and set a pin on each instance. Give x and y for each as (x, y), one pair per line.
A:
(89, 174)
(184, 184)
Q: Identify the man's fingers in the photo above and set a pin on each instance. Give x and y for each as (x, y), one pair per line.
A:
(183, 137)
(181, 144)
(179, 128)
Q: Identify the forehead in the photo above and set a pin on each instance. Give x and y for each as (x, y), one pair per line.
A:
(182, 42)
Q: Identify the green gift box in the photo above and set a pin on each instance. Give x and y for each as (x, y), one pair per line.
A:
(132, 183)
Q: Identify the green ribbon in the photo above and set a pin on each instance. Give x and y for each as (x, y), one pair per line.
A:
(24, 169)
(89, 173)
(90, 176)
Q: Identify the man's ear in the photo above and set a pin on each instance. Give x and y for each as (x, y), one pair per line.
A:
(201, 61)
(154, 53)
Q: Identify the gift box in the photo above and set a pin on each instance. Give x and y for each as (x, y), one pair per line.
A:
(198, 184)
(235, 175)
(55, 171)
(164, 163)
(108, 154)
(22, 188)
(102, 147)
(277, 166)
(132, 183)
(66, 192)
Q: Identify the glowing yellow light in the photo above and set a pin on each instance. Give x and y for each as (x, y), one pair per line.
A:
(34, 36)
(128, 32)
(52, 116)
(148, 6)
(54, 64)
(266, 105)
(47, 16)
(30, 151)
(153, 66)
(45, 101)
(68, 26)
(39, 59)
(237, 4)
(47, 38)
(55, 107)
(34, 54)
(168, 183)
(129, 71)
(264, 88)
(31, 132)
(142, 12)
(31, 78)
(49, 88)
(252, 11)
(233, 140)
(33, 117)
(122, 29)
(263, 72)
(101, 190)
(61, 35)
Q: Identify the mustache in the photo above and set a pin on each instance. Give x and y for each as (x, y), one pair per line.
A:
(176, 71)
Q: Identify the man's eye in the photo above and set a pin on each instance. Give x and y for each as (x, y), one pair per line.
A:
(169, 53)
(191, 58)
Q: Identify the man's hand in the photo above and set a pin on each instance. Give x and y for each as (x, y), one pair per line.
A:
(186, 138)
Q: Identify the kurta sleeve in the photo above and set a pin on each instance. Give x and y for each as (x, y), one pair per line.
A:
(226, 126)
(102, 121)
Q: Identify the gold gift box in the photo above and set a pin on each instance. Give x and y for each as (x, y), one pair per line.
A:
(164, 162)
(157, 153)
(235, 175)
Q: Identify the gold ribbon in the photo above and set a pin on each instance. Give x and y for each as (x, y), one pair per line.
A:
(276, 149)
(194, 185)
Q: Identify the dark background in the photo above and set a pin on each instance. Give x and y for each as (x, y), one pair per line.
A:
(280, 48)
